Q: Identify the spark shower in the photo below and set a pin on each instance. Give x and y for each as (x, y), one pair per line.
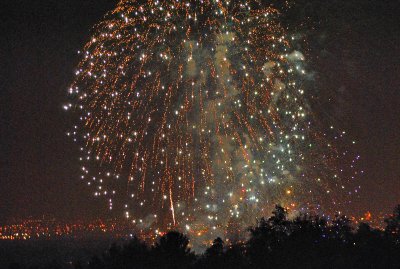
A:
(194, 115)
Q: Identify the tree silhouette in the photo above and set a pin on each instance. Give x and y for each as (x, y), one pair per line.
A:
(341, 228)
(306, 241)
(235, 257)
(393, 225)
(171, 248)
(216, 249)
(213, 256)
(267, 237)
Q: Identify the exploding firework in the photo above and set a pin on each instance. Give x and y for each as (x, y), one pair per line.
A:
(193, 115)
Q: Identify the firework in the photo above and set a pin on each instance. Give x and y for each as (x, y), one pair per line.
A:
(193, 115)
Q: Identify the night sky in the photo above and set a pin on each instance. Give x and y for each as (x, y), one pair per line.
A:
(354, 51)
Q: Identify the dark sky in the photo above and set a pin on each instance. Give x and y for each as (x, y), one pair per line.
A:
(354, 51)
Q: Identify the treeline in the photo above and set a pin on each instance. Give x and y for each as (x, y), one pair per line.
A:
(306, 241)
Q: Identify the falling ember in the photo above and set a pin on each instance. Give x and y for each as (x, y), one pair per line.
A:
(204, 105)
(172, 205)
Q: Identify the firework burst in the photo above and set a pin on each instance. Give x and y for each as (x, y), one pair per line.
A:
(193, 114)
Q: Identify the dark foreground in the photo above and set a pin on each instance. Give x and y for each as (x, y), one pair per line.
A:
(304, 242)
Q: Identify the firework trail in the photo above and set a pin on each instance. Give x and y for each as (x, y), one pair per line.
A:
(193, 115)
